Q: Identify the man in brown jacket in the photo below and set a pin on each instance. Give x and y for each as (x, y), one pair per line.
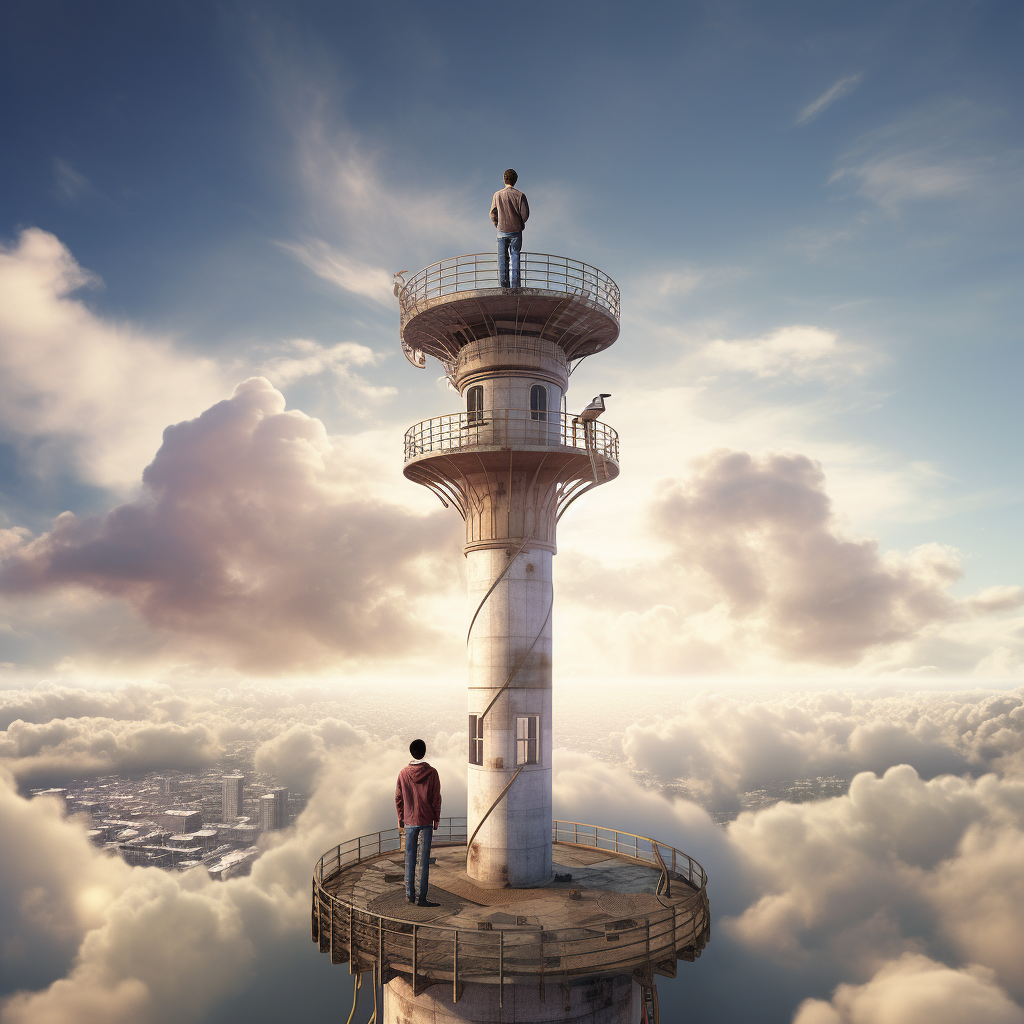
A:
(509, 214)
(418, 801)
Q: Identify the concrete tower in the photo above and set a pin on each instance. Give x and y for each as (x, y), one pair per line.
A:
(557, 921)
(511, 463)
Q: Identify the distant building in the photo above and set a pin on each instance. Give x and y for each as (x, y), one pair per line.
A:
(280, 794)
(238, 862)
(178, 822)
(163, 786)
(233, 786)
(239, 835)
(268, 812)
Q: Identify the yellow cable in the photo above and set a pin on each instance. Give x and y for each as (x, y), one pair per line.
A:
(355, 996)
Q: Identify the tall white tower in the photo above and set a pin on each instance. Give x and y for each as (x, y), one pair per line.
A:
(536, 920)
(511, 462)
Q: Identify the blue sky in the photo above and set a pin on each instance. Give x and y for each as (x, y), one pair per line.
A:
(235, 177)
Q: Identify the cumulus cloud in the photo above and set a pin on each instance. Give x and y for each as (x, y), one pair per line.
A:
(307, 358)
(749, 568)
(798, 351)
(864, 878)
(38, 754)
(762, 530)
(297, 756)
(150, 947)
(251, 542)
(916, 990)
(725, 746)
(852, 892)
(132, 702)
(83, 390)
(841, 88)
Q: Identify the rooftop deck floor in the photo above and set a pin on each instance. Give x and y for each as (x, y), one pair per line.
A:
(611, 887)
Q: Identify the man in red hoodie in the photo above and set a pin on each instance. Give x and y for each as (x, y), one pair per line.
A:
(418, 800)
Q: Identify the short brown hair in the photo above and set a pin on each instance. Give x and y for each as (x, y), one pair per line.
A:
(511, 177)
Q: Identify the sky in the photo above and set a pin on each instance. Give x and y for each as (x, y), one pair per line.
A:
(811, 560)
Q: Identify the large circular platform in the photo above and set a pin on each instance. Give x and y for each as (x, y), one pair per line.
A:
(632, 905)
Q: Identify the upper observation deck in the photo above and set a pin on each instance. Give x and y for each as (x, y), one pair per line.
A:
(458, 300)
(619, 904)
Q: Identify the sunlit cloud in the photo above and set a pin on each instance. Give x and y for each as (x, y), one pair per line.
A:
(800, 351)
(92, 393)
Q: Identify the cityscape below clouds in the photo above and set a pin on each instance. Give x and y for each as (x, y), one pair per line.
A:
(788, 638)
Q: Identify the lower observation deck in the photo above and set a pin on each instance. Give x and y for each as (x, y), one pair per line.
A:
(561, 456)
(633, 906)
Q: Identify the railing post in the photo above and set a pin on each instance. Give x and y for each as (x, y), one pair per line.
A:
(415, 951)
(455, 971)
(501, 968)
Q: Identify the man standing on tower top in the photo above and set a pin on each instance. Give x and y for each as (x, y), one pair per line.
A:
(418, 802)
(509, 213)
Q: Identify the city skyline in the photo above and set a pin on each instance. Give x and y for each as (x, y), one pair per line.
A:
(790, 635)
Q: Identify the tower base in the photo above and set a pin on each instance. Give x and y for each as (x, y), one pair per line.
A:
(614, 1000)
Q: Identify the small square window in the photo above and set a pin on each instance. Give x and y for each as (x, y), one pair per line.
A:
(527, 733)
(476, 739)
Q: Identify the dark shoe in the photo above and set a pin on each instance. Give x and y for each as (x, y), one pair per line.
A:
(426, 903)
(411, 899)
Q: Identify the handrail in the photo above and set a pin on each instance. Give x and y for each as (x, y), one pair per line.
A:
(538, 270)
(654, 859)
(510, 428)
(388, 944)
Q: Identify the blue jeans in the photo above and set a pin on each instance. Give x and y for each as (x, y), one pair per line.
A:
(509, 245)
(413, 835)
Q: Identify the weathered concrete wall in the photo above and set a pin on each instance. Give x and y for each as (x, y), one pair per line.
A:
(588, 1001)
(513, 846)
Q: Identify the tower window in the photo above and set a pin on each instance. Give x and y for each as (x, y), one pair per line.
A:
(475, 404)
(476, 739)
(538, 402)
(527, 728)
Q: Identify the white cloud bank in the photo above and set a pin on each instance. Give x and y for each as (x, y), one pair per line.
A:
(95, 394)
(860, 903)
(916, 990)
(756, 573)
(251, 544)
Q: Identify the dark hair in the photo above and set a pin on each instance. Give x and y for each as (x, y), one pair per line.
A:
(511, 177)
(417, 748)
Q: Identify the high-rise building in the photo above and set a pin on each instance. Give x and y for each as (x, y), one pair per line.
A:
(274, 809)
(280, 794)
(233, 786)
(576, 919)
(268, 813)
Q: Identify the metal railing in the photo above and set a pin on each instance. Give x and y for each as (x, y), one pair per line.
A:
(475, 271)
(650, 942)
(510, 428)
(670, 861)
